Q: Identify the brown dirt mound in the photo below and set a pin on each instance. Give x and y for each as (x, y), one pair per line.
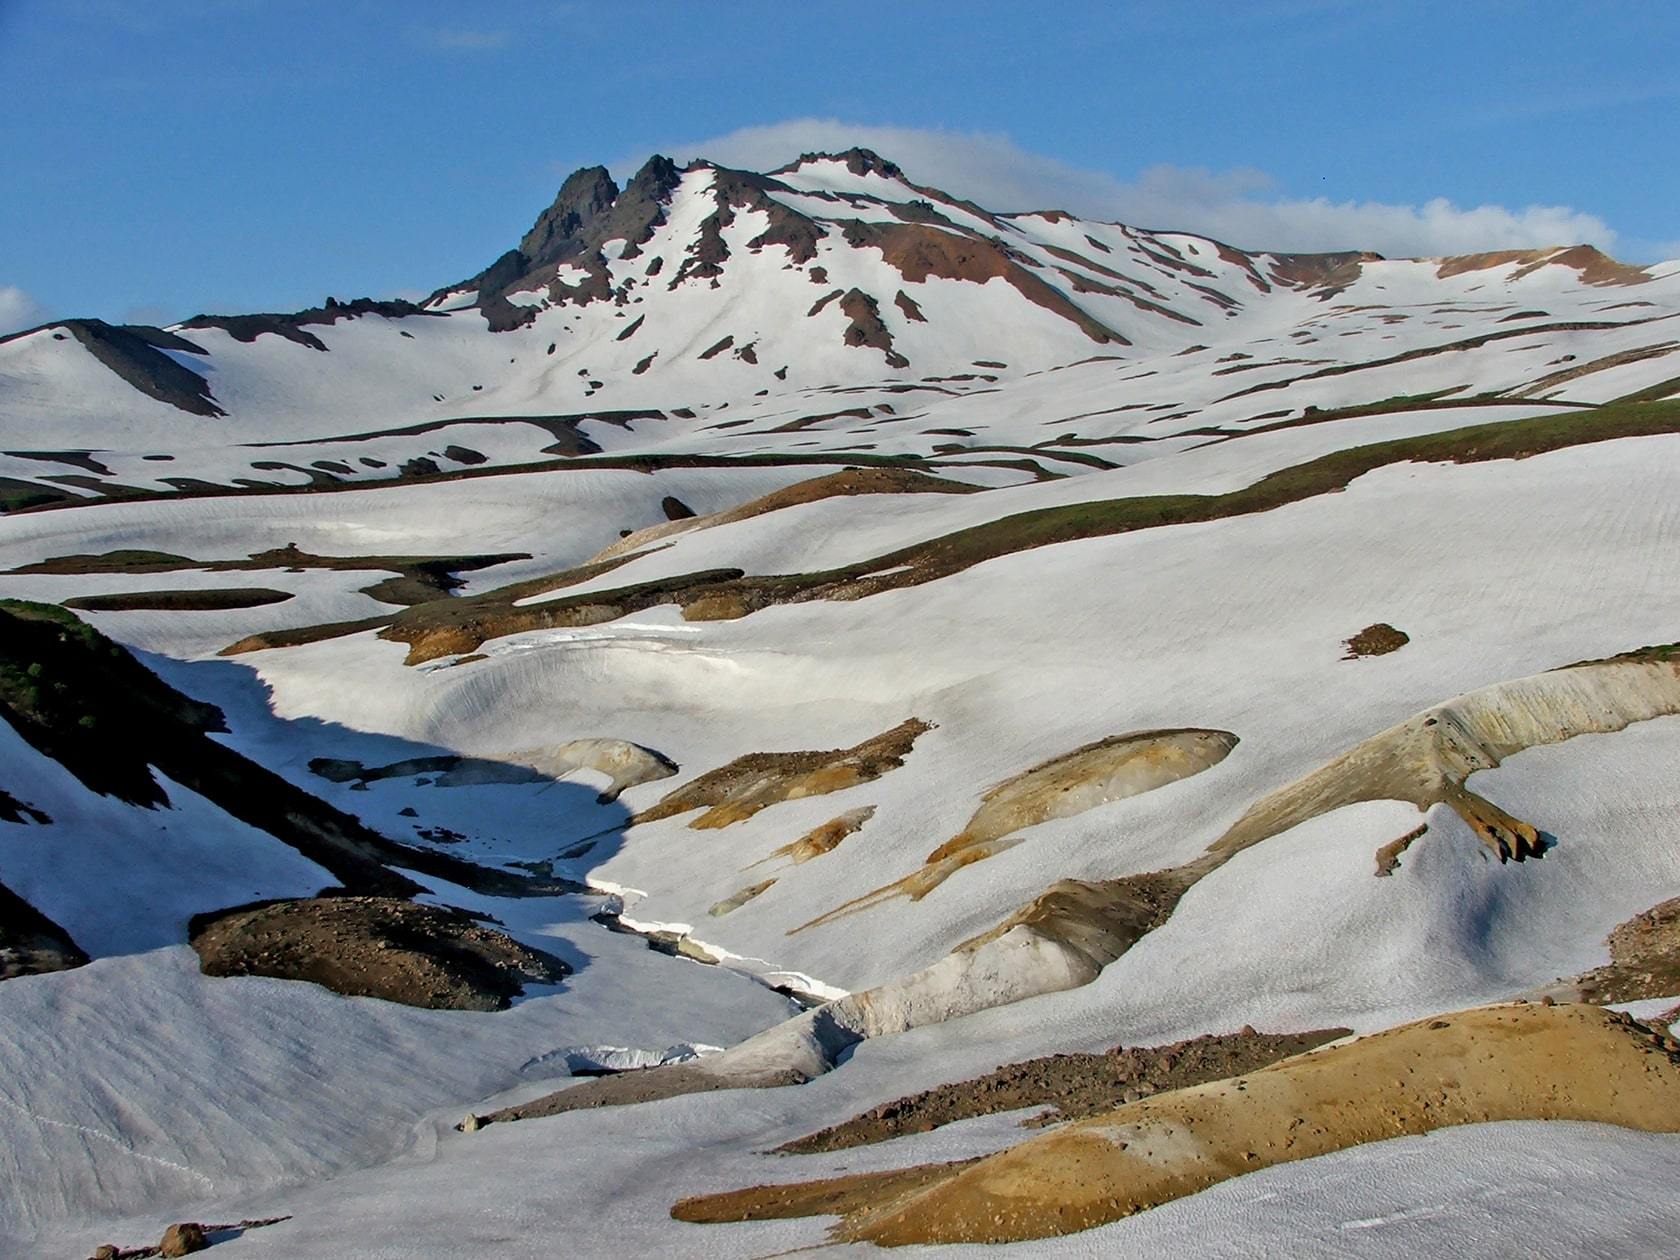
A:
(380, 947)
(1073, 1085)
(748, 784)
(1107, 770)
(821, 839)
(1520, 1062)
(1595, 266)
(1375, 640)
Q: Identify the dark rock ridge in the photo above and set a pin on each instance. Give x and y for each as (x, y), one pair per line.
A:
(83, 701)
(248, 328)
(135, 352)
(589, 211)
(31, 943)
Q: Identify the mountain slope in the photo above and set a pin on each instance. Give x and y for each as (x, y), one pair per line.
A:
(883, 640)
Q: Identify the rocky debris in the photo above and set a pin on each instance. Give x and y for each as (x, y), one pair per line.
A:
(734, 190)
(1644, 959)
(1072, 1086)
(741, 788)
(1375, 640)
(184, 1238)
(419, 955)
(908, 307)
(641, 1085)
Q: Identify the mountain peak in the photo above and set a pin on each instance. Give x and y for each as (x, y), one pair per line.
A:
(857, 160)
(586, 194)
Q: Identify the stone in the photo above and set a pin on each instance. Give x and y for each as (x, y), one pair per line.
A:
(182, 1240)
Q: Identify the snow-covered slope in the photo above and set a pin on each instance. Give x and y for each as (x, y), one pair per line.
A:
(1055, 626)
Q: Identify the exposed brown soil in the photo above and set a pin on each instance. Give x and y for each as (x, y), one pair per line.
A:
(1375, 640)
(756, 781)
(1594, 266)
(1324, 274)
(1388, 857)
(206, 599)
(918, 251)
(1645, 959)
(1073, 1086)
(1106, 770)
(381, 947)
(1101, 919)
(832, 1196)
(821, 839)
(1524, 1062)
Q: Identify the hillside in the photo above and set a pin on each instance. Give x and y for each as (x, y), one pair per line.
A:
(678, 731)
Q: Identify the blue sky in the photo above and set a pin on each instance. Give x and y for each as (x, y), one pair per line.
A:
(166, 157)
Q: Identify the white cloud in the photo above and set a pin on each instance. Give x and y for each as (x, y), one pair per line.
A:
(457, 39)
(18, 310)
(1242, 207)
